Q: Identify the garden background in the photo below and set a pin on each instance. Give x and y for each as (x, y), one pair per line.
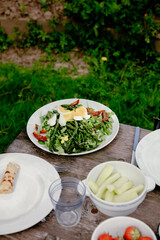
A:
(107, 51)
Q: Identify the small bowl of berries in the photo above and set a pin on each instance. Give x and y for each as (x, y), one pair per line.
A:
(123, 228)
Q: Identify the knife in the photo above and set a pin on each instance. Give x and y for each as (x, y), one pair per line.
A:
(136, 140)
(158, 232)
(157, 122)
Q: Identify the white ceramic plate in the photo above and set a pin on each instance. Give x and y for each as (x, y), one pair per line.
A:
(29, 201)
(148, 155)
(35, 119)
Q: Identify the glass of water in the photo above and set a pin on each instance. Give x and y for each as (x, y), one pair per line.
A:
(67, 195)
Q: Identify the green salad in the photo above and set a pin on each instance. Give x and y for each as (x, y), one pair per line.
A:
(73, 128)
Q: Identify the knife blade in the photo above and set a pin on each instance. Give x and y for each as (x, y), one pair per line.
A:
(158, 232)
(136, 140)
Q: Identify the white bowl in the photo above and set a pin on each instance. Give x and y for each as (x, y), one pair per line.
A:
(125, 169)
(116, 226)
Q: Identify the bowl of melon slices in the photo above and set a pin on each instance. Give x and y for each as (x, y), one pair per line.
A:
(117, 188)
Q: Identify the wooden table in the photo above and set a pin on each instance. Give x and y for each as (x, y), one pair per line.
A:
(79, 166)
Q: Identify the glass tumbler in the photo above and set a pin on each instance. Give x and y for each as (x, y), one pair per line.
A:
(67, 195)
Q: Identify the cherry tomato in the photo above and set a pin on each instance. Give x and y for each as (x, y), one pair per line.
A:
(40, 137)
(42, 131)
(75, 103)
(94, 113)
(105, 116)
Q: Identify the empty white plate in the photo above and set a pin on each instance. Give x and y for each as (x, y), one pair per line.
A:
(148, 155)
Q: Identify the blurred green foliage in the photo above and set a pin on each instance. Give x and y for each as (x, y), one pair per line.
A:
(99, 27)
(117, 39)
(46, 4)
(5, 41)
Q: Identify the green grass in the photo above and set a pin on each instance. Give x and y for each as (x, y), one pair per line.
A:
(131, 91)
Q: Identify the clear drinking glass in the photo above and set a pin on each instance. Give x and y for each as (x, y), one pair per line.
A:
(67, 195)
